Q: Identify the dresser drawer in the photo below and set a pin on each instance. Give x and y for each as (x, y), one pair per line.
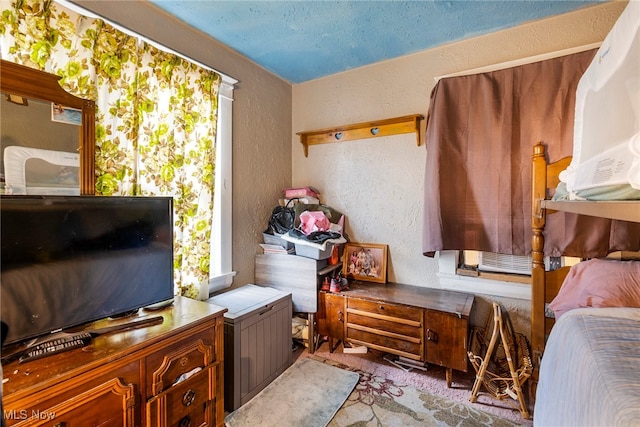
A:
(385, 309)
(409, 330)
(187, 403)
(165, 368)
(90, 398)
(392, 328)
(400, 346)
(109, 403)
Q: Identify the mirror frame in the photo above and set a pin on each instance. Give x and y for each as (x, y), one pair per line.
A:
(35, 84)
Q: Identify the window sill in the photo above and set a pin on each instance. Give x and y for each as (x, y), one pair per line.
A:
(217, 283)
(478, 285)
(503, 277)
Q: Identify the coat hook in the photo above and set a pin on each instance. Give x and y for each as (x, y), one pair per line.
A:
(338, 135)
(374, 131)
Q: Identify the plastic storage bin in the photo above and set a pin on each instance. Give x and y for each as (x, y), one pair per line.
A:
(314, 253)
(276, 239)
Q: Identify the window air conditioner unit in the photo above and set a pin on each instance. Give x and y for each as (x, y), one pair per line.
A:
(502, 263)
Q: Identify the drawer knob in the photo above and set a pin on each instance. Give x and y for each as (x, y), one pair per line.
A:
(185, 421)
(188, 397)
(382, 307)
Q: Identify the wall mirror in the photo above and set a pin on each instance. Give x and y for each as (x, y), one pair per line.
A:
(47, 135)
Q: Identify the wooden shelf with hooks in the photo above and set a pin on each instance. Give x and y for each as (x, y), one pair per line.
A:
(395, 126)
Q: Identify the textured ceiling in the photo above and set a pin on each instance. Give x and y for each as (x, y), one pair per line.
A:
(305, 40)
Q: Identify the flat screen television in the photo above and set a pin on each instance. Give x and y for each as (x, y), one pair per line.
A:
(69, 260)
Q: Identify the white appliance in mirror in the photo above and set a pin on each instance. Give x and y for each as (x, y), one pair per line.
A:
(37, 171)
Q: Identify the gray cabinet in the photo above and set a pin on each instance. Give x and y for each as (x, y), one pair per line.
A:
(257, 340)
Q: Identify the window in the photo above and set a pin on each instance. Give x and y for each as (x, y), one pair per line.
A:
(491, 273)
(221, 275)
(488, 284)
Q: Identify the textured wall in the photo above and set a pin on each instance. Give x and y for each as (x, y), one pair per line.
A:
(378, 183)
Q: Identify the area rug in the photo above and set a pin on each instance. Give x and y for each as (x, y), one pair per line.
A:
(432, 381)
(307, 394)
(378, 401)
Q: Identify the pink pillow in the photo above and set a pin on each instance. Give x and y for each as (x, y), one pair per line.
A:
(599, 283)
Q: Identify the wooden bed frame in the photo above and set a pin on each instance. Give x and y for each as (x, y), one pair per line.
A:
(546, 284)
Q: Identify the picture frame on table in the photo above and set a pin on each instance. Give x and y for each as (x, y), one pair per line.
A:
(365, 261)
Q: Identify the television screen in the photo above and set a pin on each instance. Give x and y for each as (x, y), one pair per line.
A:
(69, 260)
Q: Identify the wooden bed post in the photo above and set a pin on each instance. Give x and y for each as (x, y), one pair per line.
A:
(538, 217)
(544, 284)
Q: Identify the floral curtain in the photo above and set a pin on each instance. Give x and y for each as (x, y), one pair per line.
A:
(155, 120)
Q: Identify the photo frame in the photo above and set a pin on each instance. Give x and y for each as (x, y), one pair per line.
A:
(365, 261)
(68, 115)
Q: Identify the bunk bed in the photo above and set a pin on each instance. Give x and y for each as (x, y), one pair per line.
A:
(547, 284)
(602, 176)
(587, 360)
(585, 319)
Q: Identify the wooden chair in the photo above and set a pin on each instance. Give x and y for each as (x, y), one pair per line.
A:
(500, 357)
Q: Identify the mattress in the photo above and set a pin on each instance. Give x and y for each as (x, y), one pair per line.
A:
(589, 371)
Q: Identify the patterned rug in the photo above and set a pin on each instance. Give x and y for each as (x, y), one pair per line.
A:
(378, 401)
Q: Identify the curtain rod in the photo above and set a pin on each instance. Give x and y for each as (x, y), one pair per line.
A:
(521, 61)
(85, 12)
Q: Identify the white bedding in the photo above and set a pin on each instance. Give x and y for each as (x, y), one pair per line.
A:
(590, 371)
(606, 151)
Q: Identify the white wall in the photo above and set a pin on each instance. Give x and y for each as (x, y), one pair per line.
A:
(378, 183)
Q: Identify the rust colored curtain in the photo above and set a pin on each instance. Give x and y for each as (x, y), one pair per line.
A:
(480, 135)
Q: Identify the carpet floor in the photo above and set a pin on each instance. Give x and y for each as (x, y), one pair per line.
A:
(452, 406)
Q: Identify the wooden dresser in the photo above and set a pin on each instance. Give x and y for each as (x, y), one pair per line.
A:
(161, 375)
(416, 323)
